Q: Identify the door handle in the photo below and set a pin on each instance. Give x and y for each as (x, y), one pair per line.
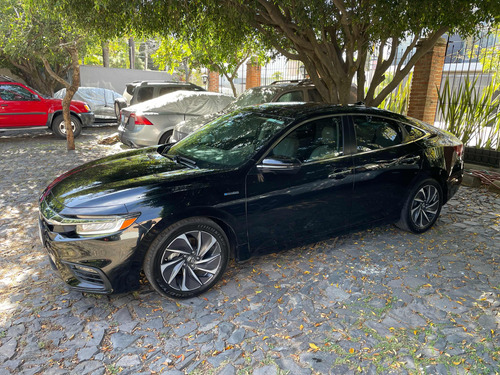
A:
(4, 105)
(339, 174)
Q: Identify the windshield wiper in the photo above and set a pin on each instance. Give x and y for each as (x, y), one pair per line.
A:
(181, 160)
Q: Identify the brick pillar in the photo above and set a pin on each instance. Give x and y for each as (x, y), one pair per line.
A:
(213, 81)
(426, 82)
(253, 74)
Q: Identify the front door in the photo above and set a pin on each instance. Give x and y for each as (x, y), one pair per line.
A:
(284, 208)
(20, 107)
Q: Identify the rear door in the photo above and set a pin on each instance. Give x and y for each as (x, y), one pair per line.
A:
(21, 107)
(385, 165)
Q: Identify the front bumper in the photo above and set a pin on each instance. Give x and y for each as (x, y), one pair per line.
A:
(86, 118)
(98, 265)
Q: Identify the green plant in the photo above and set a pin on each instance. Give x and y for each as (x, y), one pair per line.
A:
(397, 100)
(471, 114)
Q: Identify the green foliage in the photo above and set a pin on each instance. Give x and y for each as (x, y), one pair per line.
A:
(471, 114)
(397, 100)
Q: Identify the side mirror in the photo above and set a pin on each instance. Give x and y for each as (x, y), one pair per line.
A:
(279, 165)
(34, 97)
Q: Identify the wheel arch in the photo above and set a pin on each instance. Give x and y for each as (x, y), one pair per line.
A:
(221, 218)
(53, 115)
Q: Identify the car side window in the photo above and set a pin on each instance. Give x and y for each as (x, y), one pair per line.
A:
(314, 96)
(413, 133)
(374, 133)
(292, 96)
(167, 90)
(316, 140)
(145, 93)
(15, 93)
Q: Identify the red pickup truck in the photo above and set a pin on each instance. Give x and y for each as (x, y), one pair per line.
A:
(22, 107)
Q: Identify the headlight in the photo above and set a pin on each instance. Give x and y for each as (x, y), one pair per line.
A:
(102, 225)
(87, 107)
(89, 225)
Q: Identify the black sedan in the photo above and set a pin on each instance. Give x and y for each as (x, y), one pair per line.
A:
(251, 182)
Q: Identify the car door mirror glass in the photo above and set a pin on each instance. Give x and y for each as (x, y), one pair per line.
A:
(279, 164)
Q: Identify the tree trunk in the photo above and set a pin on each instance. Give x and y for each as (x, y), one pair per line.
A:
(105, 54)
(70, 92)
(131, 52)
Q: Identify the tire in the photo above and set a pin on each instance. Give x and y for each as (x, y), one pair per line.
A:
(173, 263)
(165, 137)
(60, 131)
(422, 207)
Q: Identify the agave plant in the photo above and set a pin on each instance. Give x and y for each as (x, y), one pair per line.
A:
(471, 114)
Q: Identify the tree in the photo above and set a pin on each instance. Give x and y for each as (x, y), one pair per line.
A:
(194, 51)
(333, 38)
(18, 51)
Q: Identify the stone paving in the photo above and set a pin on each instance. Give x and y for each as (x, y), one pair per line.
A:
(375, 301)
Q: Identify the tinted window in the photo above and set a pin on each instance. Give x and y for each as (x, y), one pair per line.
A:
(373, 133)
(292, 96)
(229, 140)
(167, 90)
(15, 93)
(413, 133)
(316, 140)
(314, 96)
(145, 93)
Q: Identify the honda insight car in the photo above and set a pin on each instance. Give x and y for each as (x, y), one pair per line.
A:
(251, 182)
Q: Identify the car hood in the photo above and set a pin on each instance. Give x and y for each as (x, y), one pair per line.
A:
(119, 179)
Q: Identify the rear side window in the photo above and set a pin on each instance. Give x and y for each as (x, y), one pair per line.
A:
(167, 90)
(145, 93)
(413, 133)
(292, 96)
(374, 133)
(314, 96)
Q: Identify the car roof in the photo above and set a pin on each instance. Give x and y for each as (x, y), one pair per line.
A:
(302, 110)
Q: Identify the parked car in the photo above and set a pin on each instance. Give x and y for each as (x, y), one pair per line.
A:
(257, 180)
(101, 102)
(278, 91)
(141, 91)
(151, 123)
(23, 108)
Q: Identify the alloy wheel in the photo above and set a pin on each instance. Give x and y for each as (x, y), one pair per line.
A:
(191, 261)
(425, 206)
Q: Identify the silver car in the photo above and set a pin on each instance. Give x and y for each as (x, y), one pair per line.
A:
(99, 100)
(151, 122)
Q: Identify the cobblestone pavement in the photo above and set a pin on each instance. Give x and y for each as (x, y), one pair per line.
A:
(379, 300)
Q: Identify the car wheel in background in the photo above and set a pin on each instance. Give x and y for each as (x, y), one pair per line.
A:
(59, 129)
(422, 207)
(165, 137)
(187, 258)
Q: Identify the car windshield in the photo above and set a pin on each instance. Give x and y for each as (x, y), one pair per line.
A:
(230, 140)
(253, 96)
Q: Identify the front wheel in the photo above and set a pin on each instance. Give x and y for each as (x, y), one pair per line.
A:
(59, 129)
(422, 207)
(187, 258)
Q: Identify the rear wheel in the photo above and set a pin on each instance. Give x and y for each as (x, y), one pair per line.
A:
(187, 258)
(59, 129)
(422, 207)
